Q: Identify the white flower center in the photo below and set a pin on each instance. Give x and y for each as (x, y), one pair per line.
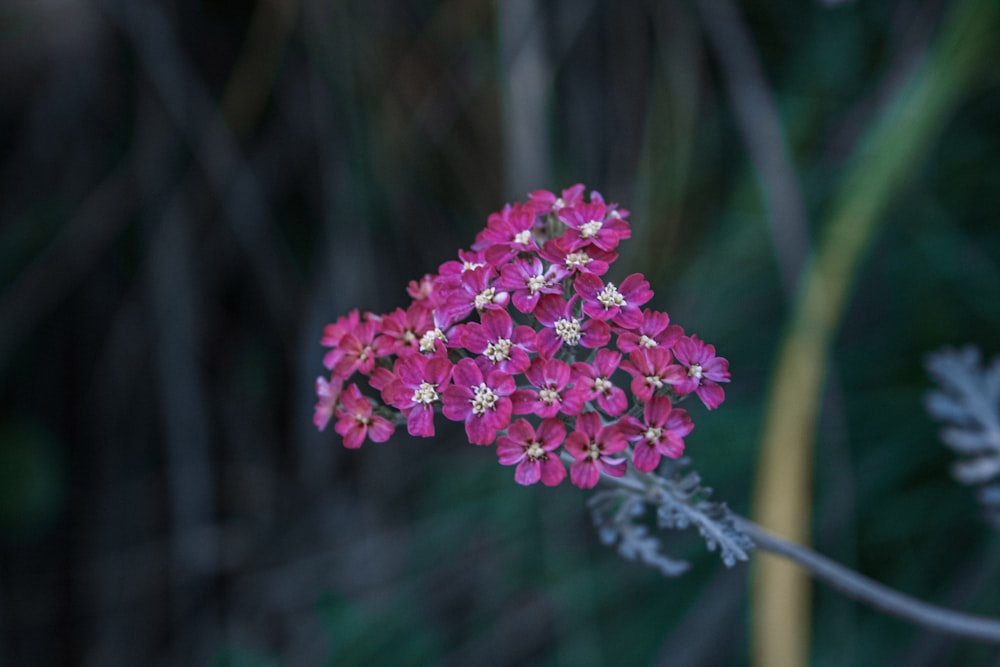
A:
(647, 342)
(484, 298)
(548, 396)
(568, 330)
(602, 384)
(590, 229)
(427, 340)
(653, 433)
(535, 451)
(654, 381)
(499, 351)
(558, 204)
(469, 266)
(579, 258)
(611, 297)
(483, 400)
(594, 452)
(694, 371)
(523, 237)
(425, 393)
(536, 283)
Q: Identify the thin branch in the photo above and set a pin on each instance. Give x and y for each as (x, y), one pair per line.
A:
(883, 598)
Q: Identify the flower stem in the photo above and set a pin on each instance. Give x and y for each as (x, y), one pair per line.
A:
(879, 596)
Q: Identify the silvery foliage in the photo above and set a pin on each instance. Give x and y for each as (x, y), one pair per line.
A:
(969, 400)
(679, 501)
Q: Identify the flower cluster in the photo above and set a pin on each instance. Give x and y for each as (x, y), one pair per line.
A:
(524, 340)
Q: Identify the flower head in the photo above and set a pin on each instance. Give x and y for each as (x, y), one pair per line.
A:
(483, 403)
(533, 452)
(702, 371)
(594, 447)
(356, 420)
(660, 433)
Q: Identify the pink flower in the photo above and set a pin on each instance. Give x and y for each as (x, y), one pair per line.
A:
(550, 203)
(482, 403)
(403, 329)
(561, 326)
(474, 291)
(593, 446)
(651, 369)
(507, 233)
(334, 332)
(327, 394)
(421, 290)
(534, 454)
(661, 434)
(655, 331)
(502, 345)
(703, 369)
(419, 381)
(588, 225)
(355, 420)
(358, 350)
(594, 381)
(620, 305)
(527, 280)
(590, 259)
(551, 377)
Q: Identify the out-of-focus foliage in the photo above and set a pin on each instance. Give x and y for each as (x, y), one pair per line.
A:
(190, 190)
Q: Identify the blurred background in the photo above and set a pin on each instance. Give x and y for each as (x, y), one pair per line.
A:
(190, 190)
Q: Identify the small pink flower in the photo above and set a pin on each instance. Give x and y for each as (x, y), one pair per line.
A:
(502, 345)
(589, 226)
(417, 387)
(421, 290)
(594, 381)
(620, 305)
(507, 233)
(651, 369)
(483, 403)
(550, 203)
(327, 394)
(474, 291)
(593, 446)
(589, 259)
(655, 331)
(561, 326)
(533, 453)
(551, 377)
(702, 371)
(334, 332)
(403, 329)
(661, 434)
(527, 280)
(356, 421)
(358, 350)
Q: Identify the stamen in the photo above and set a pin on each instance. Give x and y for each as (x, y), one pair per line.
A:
(568, 330)
(484, 298)
(535, 451)
(548, 396)
(499, 351)
(483, 400)
(590, 229)
(425, 393)
(536, 283)
(611, 297)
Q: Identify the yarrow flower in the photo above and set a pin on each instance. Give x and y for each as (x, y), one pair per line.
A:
(527, 322)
